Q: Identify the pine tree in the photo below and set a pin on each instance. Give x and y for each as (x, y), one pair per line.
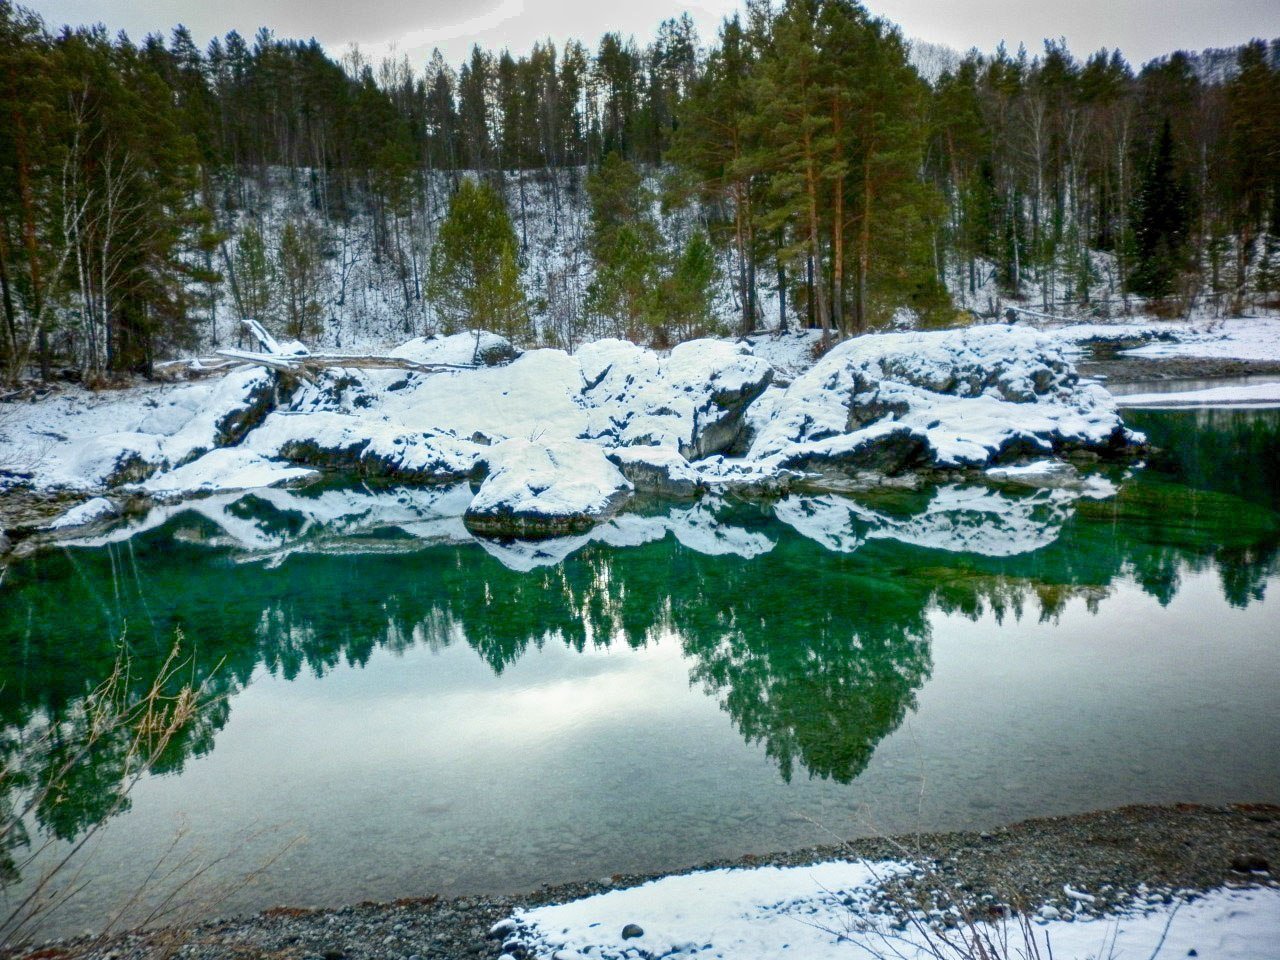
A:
(475, 273)
(300, 274)
(687, 290)
(1160, 222)
(626, 248)
(255, 276)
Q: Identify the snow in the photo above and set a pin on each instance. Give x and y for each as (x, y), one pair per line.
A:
(227, 468)
(687, 400)
(1240, 338)
(91, 511)
(549, 481)
(460, 349)
(828, 911)
(1251, 395)
(569, 436)
(659, 469)
(790, 354)
(81, 440)
(958, 397)
(1231, 338)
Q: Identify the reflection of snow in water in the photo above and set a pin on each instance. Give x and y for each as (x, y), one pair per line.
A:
(268, 525)
(959, 518)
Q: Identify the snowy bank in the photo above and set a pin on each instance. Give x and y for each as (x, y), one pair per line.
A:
(560, 440)
(834, 910)
(950, 399)
(1243, 395)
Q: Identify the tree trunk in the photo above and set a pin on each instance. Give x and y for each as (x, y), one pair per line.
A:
(815, 252)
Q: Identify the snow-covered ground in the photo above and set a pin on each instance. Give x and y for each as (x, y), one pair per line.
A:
(1236, 338)
(561, 439)
(1244, 395)
(1244, 338)
(830, 911)
(708, 415)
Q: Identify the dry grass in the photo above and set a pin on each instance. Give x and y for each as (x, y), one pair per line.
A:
(114, 716)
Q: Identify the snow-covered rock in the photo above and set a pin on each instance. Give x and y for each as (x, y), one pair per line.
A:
(477, 348)
(692, 400)
(366, 445)
(91, 511)
(226, 468)
(957, 398)
(565, 437)
(536, 489)
(660, 470)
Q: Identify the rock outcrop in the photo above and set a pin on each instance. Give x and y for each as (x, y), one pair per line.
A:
(551, 489)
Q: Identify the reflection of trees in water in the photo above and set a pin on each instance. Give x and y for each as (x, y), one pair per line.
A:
(816, 655)
(67, 771)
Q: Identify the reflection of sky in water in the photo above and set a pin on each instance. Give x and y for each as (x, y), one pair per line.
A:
(694, 682)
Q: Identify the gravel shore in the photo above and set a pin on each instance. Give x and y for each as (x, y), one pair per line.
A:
(1126, 858)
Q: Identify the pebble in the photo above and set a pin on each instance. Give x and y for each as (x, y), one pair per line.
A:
(631, 931)
(502, 929)
(1106, 854)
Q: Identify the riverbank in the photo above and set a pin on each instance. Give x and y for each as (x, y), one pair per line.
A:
(1116, 370)
(1126, 860)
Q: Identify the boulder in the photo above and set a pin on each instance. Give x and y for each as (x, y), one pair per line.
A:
(693, 400)
(952, 399)
(366, 445)
(475, 348)
(659, 470)
(544, 489)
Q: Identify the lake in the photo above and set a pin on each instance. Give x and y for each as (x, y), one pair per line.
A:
(404, 711)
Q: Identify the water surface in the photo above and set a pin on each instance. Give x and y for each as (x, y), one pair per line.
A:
(695, 681)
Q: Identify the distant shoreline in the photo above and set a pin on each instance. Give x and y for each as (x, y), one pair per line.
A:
(1142, 369)
(1125, 856)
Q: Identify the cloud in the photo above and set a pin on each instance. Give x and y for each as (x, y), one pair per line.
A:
(426, 37)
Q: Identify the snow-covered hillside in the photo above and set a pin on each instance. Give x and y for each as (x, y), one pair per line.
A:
(372, 277)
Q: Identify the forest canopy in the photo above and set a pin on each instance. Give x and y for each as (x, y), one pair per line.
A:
(818, 171)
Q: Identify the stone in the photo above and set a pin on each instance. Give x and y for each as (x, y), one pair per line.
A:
(1250, 863)
(502, 929)
(631, 931)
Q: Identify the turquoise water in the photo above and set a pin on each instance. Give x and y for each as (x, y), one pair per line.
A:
(405, 711)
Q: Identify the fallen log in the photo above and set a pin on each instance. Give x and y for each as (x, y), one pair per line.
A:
(311, 364)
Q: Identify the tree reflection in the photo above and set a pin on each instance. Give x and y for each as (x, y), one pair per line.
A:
(813, 653)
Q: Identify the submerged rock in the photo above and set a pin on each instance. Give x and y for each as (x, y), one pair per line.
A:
(537, 489)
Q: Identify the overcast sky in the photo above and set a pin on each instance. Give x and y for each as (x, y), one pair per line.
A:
(1140, 28)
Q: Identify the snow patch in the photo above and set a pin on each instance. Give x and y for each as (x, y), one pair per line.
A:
(826, 910)
(99, 508)
(227, 468)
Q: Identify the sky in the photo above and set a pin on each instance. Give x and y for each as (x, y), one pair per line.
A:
(1141, 29)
